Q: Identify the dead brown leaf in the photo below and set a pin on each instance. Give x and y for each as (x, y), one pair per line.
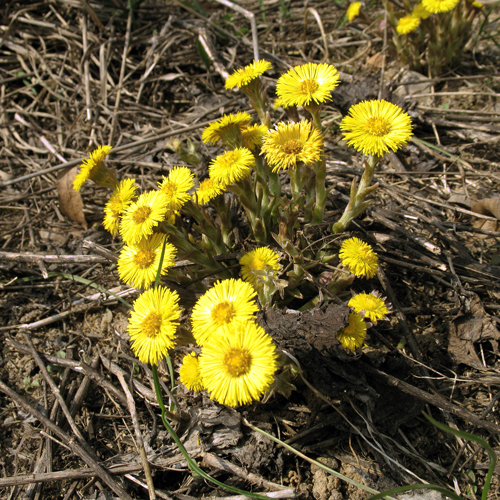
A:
(70, 201)
(488, 206)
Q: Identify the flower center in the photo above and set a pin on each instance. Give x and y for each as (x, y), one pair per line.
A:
(257, 263)
(169, 188)
(141, 214)
(308, 86)
(151, 324)
(237, 362)
(293, 147)
(223, 313)
(377, 126)
(144, 258)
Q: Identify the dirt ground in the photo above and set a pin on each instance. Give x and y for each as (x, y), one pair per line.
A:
(76, 74)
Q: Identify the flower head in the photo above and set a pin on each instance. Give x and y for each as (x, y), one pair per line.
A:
(138, 263)
(189, 373)
(208, 189)
(242, 77)
(141, 217)
(259, 259)
(439, 6)
(227, 129)
(253, 135)
(369, 305)
(228, 302)
(121, 198)
(353, 10)
(359, 257)
(152, 324)
(237, 368)
(292, 142)
(374, 127)
(176, 187)
(353, 335)
(407, 24)
(93, 168)
(309, 82)
(232, 166)
(420, 11)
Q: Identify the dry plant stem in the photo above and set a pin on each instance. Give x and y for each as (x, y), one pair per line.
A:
(77, 366)
(434, 400)
(65, 475)
(137, 431)
(51, 259)
(216, 462)
(55, 390)
(69, 441)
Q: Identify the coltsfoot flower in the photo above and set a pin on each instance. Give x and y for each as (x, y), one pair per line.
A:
(353, 11)
(153, 323)
(358, 257)
(176, 187)
(227, 129)
(369, 305)
(308, 83)
(93, 168)
(138, 263)
(407, 24)
(259, 259)
(242, 77)
(237, 368)
(189, 373)
(253, 135)
(353, 335)
(232, 166)
(142, 216)
(228, 302)
(420, 11)
(208, 189)
(121, 198)
(374, 127)
(290, 143)
(439, 6)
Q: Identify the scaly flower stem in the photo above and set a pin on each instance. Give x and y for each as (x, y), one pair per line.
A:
(356, 204)
(321, 192)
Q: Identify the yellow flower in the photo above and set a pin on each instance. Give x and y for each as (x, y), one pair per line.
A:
(253, 135)
(93, 168)
(239, 367)
(477, 5)
(407, 24)
(353, 10)
(208, 189)
(121, 198)
(359, 257)
(138, 264)
(369, 305)
(374, 127)
(259, 259)
(232, 166)
(189, 373)
(439, 6)
(228, 302)
(176, 187)
(353, 335)
(292, 142)
(227, 129)
(420, 11)
(152, 324)
(242, 77)
(141, 217)
(309, 82)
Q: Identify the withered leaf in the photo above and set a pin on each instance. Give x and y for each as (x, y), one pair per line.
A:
(70, 201)
(487, 206)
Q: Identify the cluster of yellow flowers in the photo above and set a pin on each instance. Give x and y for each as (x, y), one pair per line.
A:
(360, 260)
(237, 358)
